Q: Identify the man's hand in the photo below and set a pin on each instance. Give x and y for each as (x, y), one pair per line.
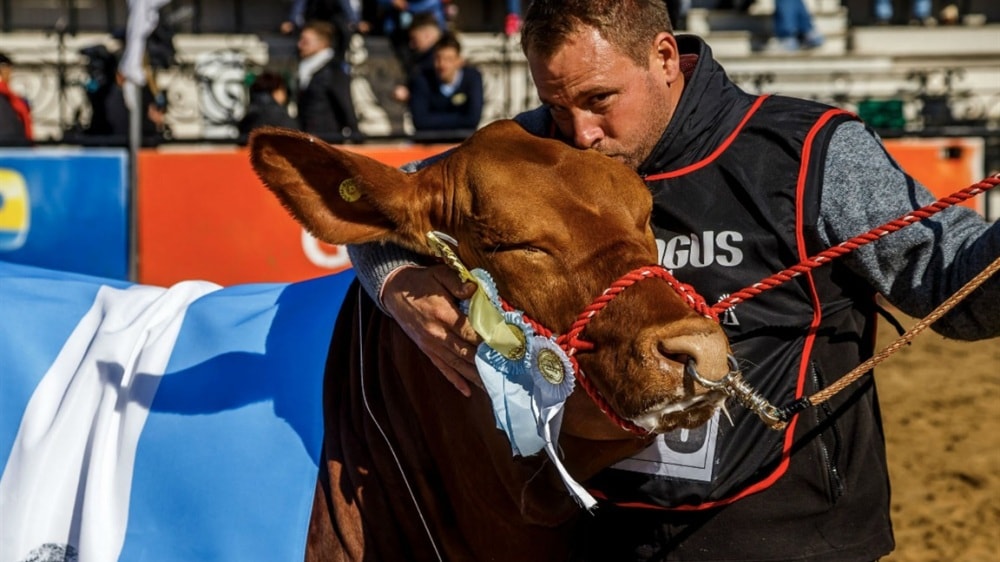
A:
(423, 302)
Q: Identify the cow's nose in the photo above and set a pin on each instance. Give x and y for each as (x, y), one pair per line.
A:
(705, 346)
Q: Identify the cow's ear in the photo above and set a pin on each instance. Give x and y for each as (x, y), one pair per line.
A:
(341, 197)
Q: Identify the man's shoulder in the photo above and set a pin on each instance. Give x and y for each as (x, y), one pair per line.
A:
(471, 71)
(423, 81)
(778, 103)
(5, 104)
(536, 121)
(332, 70)
(471, 77)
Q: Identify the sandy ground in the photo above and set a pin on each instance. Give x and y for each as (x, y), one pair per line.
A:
(941, 405)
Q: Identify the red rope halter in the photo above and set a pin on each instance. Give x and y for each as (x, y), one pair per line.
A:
(571, 341)
(852, 244)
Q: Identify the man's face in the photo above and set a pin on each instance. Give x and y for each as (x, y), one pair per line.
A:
(447, 61)
(310, 43)
(601, 99)
(5, 71)
(423, 38)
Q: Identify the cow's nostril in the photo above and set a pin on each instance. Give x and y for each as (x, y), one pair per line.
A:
(706, 350)
(672, 354)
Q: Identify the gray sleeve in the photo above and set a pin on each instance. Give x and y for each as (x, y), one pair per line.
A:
(920, 266)
(373, 262)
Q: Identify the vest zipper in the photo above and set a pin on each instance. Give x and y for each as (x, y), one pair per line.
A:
(828, 458)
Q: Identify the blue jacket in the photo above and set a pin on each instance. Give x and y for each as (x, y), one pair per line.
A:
(433, 111)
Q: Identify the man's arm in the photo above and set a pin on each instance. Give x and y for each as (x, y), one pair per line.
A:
(473, 88)
(420, 105)
(374, 262)
(923, 264)
(341, 101)
(422, 299)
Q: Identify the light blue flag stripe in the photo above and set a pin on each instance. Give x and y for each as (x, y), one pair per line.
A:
(244, 415)
(226, 463)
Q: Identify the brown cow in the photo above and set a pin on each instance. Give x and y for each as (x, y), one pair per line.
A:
(415, 471)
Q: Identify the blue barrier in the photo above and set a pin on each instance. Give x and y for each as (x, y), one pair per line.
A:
(65, 209)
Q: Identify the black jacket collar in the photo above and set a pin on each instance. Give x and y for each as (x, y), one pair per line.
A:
(711, 107)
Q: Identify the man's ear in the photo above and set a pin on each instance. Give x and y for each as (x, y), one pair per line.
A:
(343, 197)
(666, 56)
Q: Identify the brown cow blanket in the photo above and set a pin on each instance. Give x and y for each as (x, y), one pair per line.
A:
(399, 476)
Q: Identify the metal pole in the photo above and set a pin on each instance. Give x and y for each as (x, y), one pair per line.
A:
(133, 97)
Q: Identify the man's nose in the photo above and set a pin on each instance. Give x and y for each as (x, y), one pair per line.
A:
(587, 130)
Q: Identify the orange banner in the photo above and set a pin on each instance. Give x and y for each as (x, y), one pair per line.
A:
(205, 215)
(944, 165)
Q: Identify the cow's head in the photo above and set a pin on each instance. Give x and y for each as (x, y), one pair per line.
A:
(555, 226)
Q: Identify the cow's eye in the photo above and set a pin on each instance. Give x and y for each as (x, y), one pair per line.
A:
(515, 247)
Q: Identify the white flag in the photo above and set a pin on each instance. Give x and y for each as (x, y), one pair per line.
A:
(143, 15)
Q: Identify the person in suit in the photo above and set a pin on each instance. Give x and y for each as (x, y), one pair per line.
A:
(340, 13)
(268, 105)
(450, 97)
(425, 32)
(15, 114)
(398, 15)
(325, 105)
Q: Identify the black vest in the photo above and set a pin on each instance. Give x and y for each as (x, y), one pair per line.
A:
(743, 213)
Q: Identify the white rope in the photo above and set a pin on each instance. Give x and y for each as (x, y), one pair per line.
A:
(388, 443)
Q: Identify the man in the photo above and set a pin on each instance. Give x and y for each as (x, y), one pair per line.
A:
(397, 17)
(325, 105)
(340, 13)
(743, 186)
(267, 105)
(15, 115)
(424, 33)
(449, 97)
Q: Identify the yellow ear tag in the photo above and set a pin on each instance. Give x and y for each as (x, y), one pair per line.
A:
(349, 190)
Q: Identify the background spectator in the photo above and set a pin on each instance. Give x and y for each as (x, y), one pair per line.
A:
(450, 97)
(109, 116)
(15, 115)
(512, 22)
(398, 16)
(267, 106)
(324, 101)
(341, 14)
(425, 31)
(677, 12)
(920, 12)
(793, 27)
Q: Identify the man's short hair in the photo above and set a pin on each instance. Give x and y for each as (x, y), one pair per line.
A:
(628, 25)
(448, 41)
(5, 60)
(268, 82)
(424, 19)
(324, 29)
